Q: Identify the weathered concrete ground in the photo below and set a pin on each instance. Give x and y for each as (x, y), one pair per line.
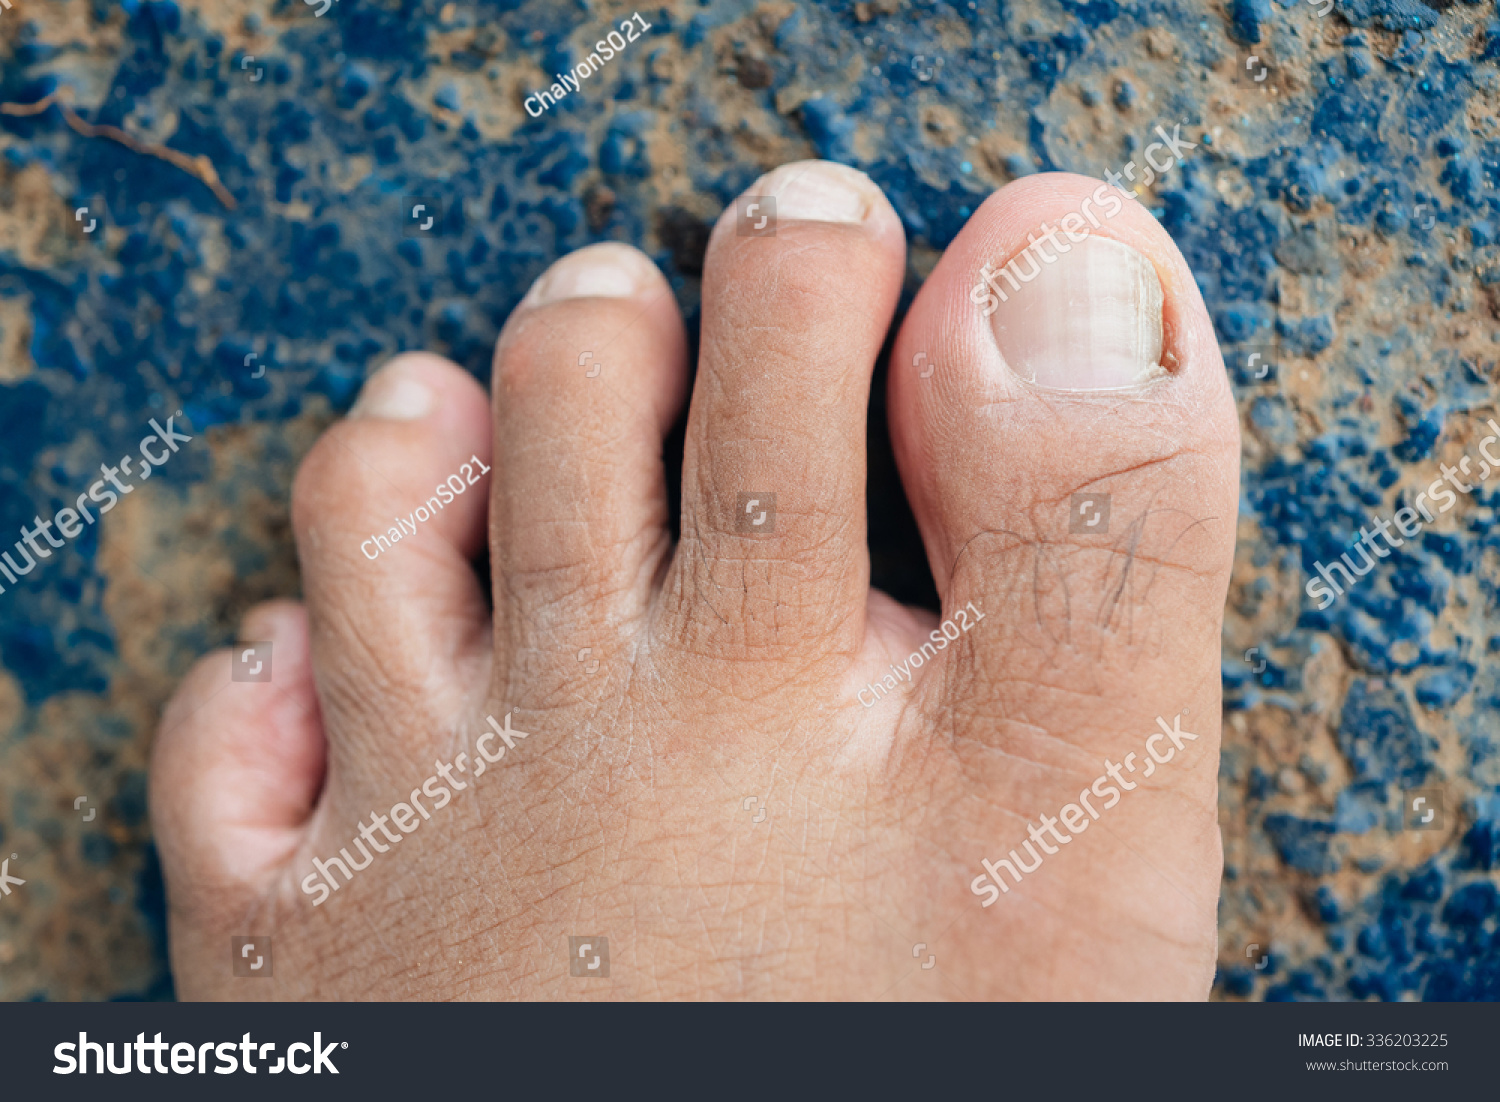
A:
(1340, 213)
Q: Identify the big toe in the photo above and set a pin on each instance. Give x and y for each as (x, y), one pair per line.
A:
(1070, 444)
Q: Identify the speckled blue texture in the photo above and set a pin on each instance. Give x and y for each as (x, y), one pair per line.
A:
(1364, 180)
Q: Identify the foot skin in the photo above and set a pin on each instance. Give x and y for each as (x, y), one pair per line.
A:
(701, 780)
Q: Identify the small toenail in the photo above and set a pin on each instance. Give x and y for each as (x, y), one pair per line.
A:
(607, 270)
(819, 191)
(392, 397)
(1087, 318)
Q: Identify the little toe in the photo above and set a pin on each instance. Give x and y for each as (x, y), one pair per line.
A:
(236, 769)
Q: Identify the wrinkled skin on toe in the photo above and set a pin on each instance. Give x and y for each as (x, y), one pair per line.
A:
(750, 773)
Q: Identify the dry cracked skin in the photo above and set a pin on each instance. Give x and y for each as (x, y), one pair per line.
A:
(1035, 768)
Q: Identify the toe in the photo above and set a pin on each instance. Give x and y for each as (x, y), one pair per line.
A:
(235, 771)
(1072, 455)
(589, 373)
(389, 510)
(801, 280)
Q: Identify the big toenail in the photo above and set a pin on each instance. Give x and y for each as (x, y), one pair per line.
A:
(1085, 316)
(607, 270)
(392, 396)
(819, 191)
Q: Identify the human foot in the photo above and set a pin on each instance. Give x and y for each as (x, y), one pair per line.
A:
(708, 775)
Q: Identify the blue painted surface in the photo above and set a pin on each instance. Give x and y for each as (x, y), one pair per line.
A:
(314, 275)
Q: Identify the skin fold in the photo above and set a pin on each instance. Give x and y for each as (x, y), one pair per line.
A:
(706, 786)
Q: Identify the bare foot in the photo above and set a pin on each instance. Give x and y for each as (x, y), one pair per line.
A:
(753, 775)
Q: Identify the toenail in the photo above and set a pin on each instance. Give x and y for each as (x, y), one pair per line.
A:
(600, 271)
(1091, 320)
(392, 396)
(819, 191)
